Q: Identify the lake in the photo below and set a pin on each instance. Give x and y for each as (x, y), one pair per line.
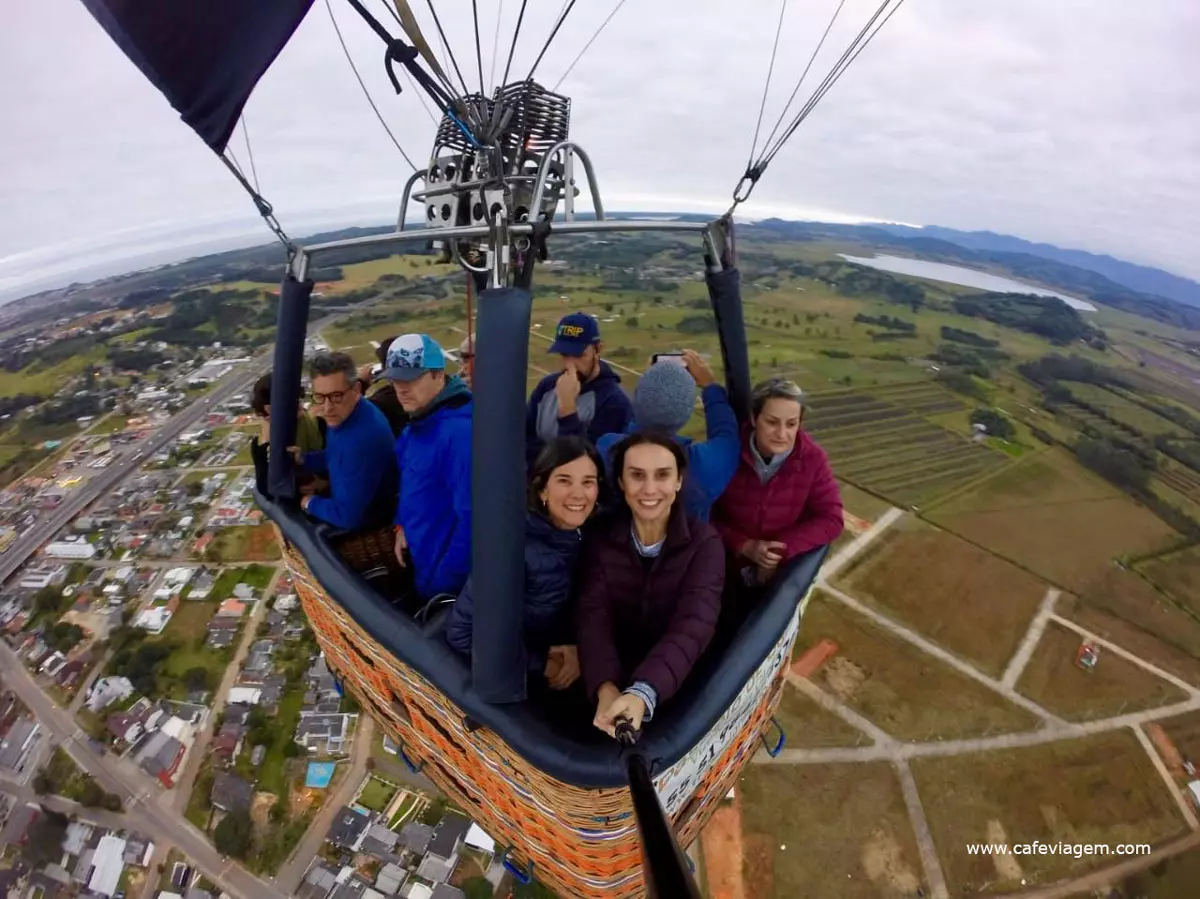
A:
(964, 277)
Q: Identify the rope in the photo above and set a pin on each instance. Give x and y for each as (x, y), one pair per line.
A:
(249, 151)
(852, 53)
(562, 17)
(478, 50)
(264, 208)
(767, 87)
(587, 46)
(803, 75)
(420, 96)
(362, 84)
(496, 45)
(513, 46)
(445, 43)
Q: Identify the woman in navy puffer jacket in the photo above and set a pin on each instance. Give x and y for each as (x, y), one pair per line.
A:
(563, 489)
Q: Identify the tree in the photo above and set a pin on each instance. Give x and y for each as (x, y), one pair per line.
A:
(91, 794)
(196, 679)
(997, 425)
(631, 322)
(42, 784)
(477, 888)
(232, 835)
(112, 802)
(43, 840)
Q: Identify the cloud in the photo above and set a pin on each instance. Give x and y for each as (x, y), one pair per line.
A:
(1072, 122)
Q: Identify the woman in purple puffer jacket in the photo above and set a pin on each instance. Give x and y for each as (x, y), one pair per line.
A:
(651, 593)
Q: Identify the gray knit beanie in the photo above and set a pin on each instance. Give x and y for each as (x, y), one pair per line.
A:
(664, 398)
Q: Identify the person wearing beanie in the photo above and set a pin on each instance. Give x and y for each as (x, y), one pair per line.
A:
(663, 401)
(433, 516)
(585, 399)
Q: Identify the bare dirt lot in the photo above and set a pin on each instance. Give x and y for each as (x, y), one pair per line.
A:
(973, 603)
(842, 831)
(906, 692)
(1178, 574)
(1100, 789)
(809, 726)
(1114, 687)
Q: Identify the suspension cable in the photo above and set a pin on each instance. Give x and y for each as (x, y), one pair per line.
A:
(264, 208)
(767, 87)
(366, 93)
(249, 150)
(496, 45)
(852, 53)
(562, 17)
(445, 43)
(478, 50)
(420, 96)
(513, 46)
(803, 75)
(587, 46)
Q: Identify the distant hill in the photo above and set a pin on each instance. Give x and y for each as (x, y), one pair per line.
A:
(1072, 279)
(1141, 278)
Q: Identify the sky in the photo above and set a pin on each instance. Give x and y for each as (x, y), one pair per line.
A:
(1075, 122)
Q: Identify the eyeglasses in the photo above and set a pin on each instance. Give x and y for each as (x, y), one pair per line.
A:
(332, 399)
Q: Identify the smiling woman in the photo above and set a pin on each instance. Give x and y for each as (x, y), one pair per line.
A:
(652, 587)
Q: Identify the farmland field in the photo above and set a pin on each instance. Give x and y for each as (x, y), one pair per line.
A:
(1114, 687)
(1178, 574)
(1024, 513)
(1100, 789)
(845, 833)
(909, 694)
(1184, 730)
(879, 440)
(976, 605)
(1124, 410)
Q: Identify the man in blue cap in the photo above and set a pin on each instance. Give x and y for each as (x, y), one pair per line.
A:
(433, 516)
(585, 399)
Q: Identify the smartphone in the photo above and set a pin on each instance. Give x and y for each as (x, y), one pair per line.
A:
(672, 358)
(376, 371)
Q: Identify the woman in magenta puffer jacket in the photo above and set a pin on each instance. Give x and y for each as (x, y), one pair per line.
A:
(783, 500)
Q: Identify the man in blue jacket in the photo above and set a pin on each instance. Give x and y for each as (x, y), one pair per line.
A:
(433, 517)
(357, 458)
(585, 399)
(663, 400)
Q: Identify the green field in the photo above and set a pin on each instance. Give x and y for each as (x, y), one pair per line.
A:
(376, 795)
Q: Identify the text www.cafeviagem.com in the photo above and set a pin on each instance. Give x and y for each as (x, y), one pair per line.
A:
(1076, 850)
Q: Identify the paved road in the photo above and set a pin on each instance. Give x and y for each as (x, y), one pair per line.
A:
(291, 875)
(183, 786)
(1016, 665)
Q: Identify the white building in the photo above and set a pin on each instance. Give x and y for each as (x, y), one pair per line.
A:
(244, 696)
(178, 578)
(107, 865)
(108, 690)
(70, 549)
(153, 619)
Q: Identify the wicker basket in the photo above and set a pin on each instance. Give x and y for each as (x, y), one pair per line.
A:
(579, 842)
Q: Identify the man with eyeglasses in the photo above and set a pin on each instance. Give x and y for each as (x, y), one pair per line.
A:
(433, 516)
(358, 458)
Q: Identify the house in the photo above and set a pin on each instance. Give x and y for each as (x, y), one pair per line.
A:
(153, 619)
(257, 756)
(108, 862)
(231, 793)
(414, 889)
(231, 608)
(319, 880)
(138, 851)
(476, 838)
(203, 585)
(14, 748)
(448, 836)
(161, 757)
(380, 841)
(78, 835)
(436, 870)
(107, 690)
(71, 548)
(286, 603)
(220, 638)
(415, 837)
(348, 829)
(244, 592)
(391, 878)
(323, 733)
(53, 663)
(445, 891)
(125, 726)
(244, 695)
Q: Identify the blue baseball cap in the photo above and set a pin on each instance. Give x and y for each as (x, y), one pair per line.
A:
(412, 355)
(575, 333)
